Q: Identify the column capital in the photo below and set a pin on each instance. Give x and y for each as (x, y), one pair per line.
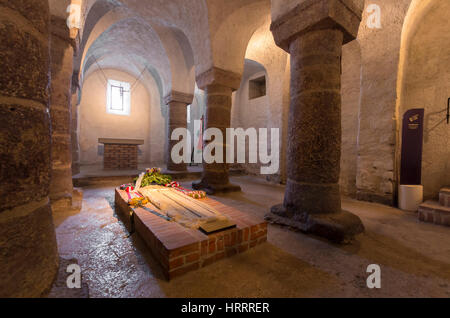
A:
(310, 15)
(175, 96)
(218, 76)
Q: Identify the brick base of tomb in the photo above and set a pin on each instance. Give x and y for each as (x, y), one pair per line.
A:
(180, 250)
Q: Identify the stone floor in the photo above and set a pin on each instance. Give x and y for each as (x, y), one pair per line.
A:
(97, 170)
(95, 175)
(414, 257)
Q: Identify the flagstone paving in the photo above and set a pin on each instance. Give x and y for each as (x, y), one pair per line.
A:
(414, 256)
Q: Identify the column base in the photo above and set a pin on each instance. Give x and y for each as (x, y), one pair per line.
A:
(215, 188)
(63, 201)
(75, 169)
(340, 227)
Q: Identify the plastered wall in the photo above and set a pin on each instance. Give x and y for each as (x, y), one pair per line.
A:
(427, 85)
(144, 122)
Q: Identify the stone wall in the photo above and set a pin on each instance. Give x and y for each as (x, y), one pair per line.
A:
(350, 91)
(251, 113)
(143, 122)
(264, 57)
(426, 84)
(380, 49)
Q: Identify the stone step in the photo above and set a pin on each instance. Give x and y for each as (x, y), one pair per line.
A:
(433, 212)
(444, 196)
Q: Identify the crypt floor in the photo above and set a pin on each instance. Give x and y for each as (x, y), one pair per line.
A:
(414, 257)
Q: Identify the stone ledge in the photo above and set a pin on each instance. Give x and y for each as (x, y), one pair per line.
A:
(180, 250)
(116, 141)
(444, 196)
(433, 212)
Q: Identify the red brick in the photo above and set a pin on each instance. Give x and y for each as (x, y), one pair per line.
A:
(257, 235)
(219, 256)
(212, 247)
(246, 234)
(204, 248)
(227, 239)
(177, 262)
(220, 245)
(240, 236)
(192, 257)
(233, 238)
(253, 243)
(184, 250)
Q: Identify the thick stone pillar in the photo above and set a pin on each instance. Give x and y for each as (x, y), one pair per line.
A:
(62, 49)
(314, 36)
(28, 251)
(177, 118)
(219, 86)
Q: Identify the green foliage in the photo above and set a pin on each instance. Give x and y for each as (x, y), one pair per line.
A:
(154, 178)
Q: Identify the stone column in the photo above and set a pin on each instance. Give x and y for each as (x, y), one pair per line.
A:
(177, 103)
(314, 36)
(28, 251)
(62, 49)
(219, 86)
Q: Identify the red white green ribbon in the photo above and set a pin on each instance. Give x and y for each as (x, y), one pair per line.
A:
(191, 193)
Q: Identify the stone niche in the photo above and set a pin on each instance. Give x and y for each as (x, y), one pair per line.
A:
(120, 153)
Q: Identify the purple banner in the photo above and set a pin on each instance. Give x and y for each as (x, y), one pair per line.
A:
(412, 144)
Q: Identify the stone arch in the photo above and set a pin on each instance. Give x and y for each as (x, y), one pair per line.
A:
(94, 10)
(244, 115)
(145, 113)
(227, 31)
(131, 37)
(152, 40)
(264, 56)
(185, 21)
(424, 83)
(172, 40)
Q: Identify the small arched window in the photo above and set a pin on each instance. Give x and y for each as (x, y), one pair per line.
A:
(118, 98)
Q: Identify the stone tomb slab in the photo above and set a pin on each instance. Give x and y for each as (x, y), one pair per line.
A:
(180, 250)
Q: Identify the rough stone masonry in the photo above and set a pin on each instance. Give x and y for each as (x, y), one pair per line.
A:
(314, 36)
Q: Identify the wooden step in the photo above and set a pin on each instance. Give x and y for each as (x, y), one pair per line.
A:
(434, 212)
(444, 196)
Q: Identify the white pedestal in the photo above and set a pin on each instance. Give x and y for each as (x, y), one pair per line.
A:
(410, 197)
